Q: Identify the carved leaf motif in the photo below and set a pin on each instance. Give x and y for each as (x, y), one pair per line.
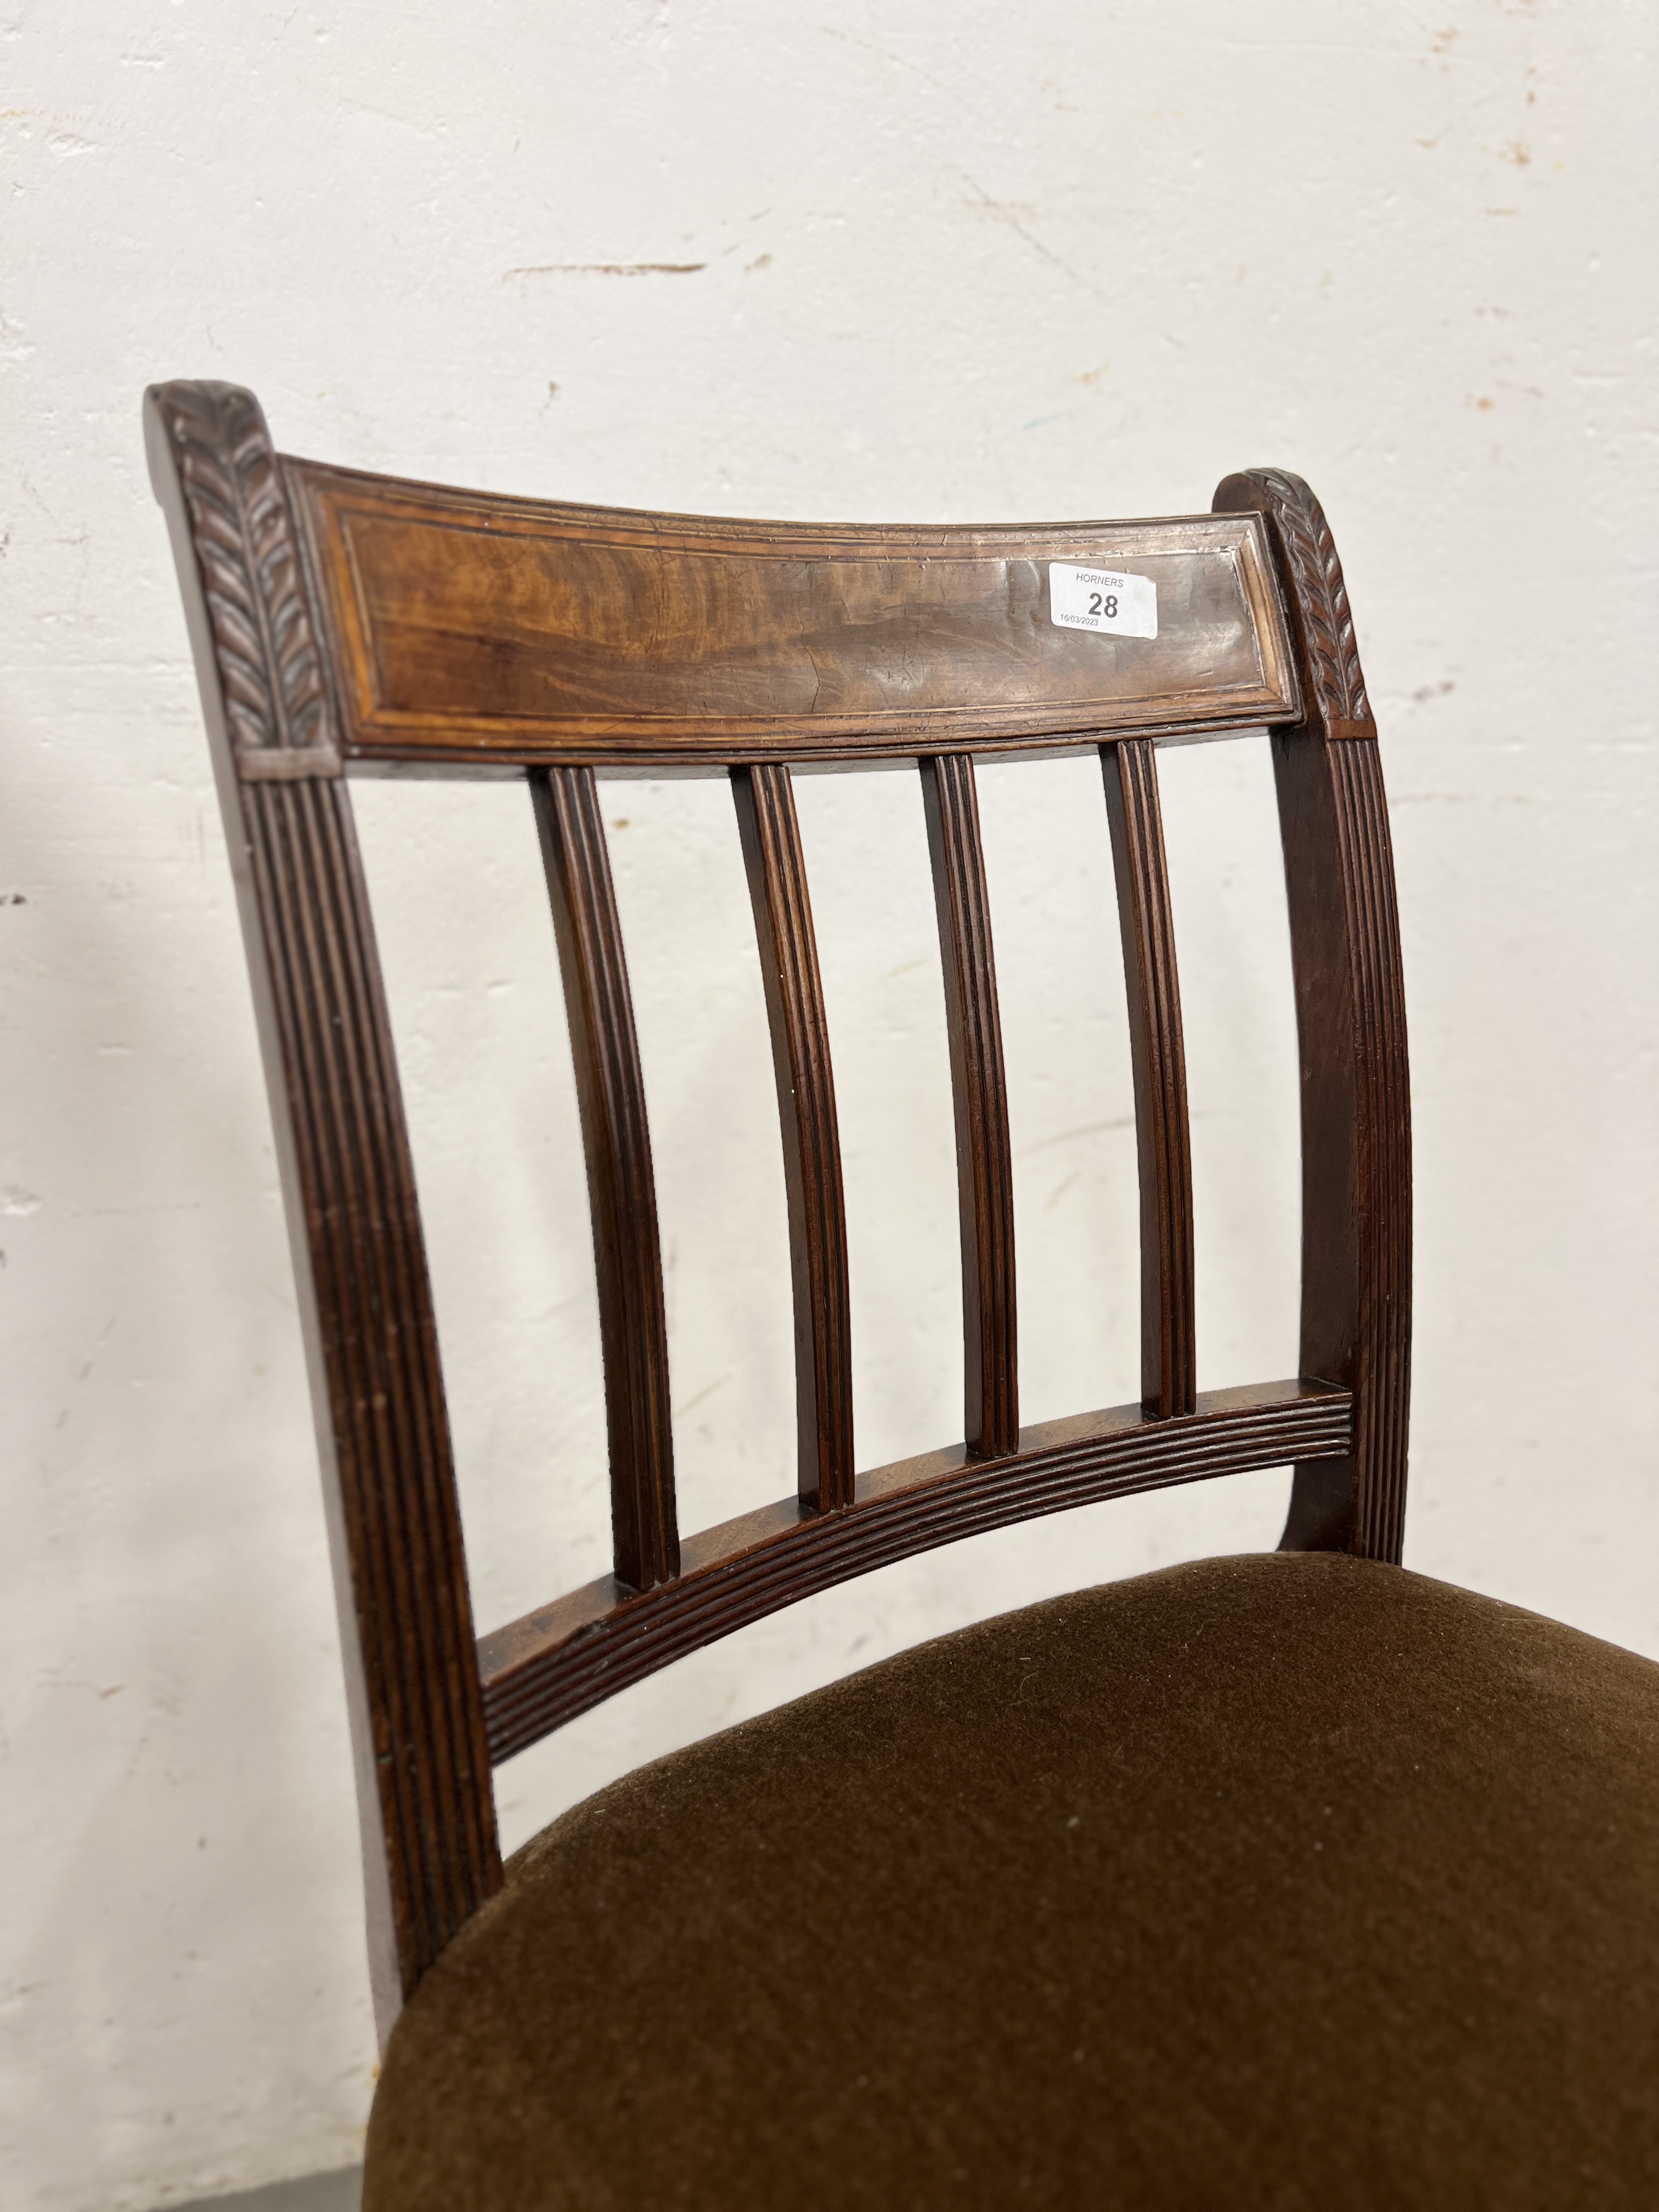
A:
(266, 648)
(1321, 591)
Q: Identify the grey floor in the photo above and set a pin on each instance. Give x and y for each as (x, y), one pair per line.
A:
(316, 2193)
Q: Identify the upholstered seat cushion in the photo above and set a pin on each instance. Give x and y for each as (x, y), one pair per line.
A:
(1289, 1882)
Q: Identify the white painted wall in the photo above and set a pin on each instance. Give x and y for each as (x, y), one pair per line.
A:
(981, 262)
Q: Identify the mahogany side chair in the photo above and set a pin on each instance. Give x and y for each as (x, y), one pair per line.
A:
(1293, 1881)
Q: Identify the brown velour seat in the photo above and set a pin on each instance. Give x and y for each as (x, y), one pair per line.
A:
(1297, 1880)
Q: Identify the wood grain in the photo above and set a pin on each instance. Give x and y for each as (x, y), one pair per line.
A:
(812, 1142)
(621, 1188)
(543, 1670)
(466, 626)
(1169, 1359)
(1356, 1098)
(430, 1851)
(985, 1181)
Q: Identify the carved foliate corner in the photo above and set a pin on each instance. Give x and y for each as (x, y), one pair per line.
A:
(214, 468)
(1312, 575)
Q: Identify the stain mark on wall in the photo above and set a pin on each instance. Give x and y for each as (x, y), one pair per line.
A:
(607, 269)
(1012, 212)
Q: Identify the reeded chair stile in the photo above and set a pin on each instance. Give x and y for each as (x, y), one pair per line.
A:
(347, 623)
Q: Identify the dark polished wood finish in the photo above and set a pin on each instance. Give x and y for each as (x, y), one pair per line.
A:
(465, 627)
(429, 1843)
(555, 1662)
(811, 1141)
(1351, 1011)
(1169, 1359)
(985, 1168)
(621, 1189)
(345, 622)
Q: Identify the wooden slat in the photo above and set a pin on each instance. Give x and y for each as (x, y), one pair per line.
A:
(621, 1188)
(469, 627)
(431, 1856)
(984, 1158)
(555, 1663)
(1351, 1010)
(811, 1145)
(1169, 1370)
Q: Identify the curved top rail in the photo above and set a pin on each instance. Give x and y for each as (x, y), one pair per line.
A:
(467, 627)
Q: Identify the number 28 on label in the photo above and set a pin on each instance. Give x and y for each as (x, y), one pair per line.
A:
(1105, 599)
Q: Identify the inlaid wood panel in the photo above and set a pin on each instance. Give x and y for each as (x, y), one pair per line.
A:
(465, 627)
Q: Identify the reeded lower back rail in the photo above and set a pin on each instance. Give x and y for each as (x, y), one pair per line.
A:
(555, 1662)
(346, 623)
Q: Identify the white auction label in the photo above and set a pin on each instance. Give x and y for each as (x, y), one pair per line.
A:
(1102, 599)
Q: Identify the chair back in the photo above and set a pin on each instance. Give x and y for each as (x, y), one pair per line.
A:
(345, 623)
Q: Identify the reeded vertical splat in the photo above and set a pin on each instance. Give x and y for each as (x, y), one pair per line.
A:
(430, 1845)
(621, 1189)
(812, 1145)
(984, 1160)
(1351, 1014)
(1169, 1375)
